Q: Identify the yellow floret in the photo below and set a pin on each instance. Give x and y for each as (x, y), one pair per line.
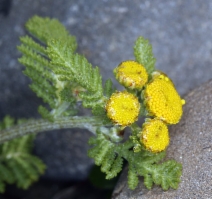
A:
(131, 74)
(162, 99)
(155, 135)
(123, 108)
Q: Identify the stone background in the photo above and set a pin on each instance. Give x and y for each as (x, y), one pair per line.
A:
(180, 32)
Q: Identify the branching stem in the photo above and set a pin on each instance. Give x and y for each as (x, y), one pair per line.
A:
(41, 125)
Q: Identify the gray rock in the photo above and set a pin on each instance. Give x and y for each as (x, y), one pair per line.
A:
(180, 32)
(191, 144)
(65, 154)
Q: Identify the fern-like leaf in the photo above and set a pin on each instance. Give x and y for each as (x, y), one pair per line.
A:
(144, 55)
(17, 164)
(132, 179)
(108, 88)
(74, 67)
(46, 29)
(116, 168)
(148, 181)
(110, 157)
(167, 174)
(45, 82)
(54, 68)
(28, 41)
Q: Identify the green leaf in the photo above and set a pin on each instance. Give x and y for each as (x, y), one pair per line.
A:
(75, 68)
(144, 55)
(108, 88)
(168, 174)
(148, 181)
(17, 164)
(132, 179)
(115, 168)
(46, 29)
(110, 156)
(28, 41)
(6, 175)
(45, 83)
(7, 122)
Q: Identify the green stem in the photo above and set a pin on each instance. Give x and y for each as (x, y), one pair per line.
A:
(41, 125)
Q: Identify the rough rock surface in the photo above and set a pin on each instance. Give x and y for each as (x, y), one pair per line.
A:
(65, 154)
(191, 144)
(180, 32)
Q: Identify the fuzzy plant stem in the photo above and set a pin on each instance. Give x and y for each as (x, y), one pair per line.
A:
(41, 125)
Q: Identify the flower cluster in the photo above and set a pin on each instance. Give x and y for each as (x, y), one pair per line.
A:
(159, 97)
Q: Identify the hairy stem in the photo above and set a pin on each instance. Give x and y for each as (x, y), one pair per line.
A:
(41, 125)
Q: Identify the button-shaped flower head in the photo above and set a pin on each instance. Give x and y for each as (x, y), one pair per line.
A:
(162, 99)
(155, 135)
(131, 74)
(123, 108)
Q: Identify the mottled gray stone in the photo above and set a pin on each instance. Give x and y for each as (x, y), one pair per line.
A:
(191, 144)
(180, 32)
(65, 154)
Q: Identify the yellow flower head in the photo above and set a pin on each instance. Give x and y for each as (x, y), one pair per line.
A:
(162, 99)
(155, 135)
(123, 108)
(131, 74)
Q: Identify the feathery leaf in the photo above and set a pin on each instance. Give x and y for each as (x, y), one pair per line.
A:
(144, 55)
(45, 83)
(17, 164)
(110, 157)
(75, 68)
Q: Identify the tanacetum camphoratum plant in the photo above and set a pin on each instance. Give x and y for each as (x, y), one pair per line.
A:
(66, 82)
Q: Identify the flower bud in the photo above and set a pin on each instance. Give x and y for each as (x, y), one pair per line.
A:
(131, 74)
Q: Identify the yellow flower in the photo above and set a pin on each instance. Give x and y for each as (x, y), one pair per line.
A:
(123, 108)
(155, 135)
(162, 99)
(131, 74)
